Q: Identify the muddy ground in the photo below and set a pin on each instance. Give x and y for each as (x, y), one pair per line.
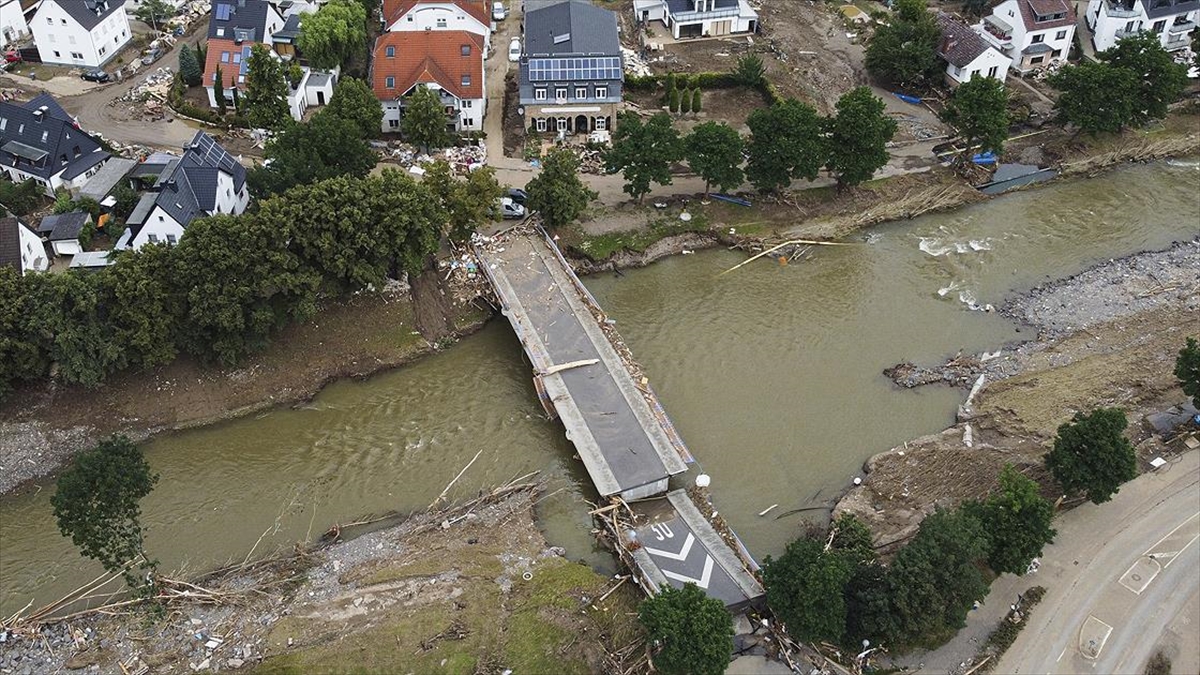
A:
(474, 589)
(1106, 337)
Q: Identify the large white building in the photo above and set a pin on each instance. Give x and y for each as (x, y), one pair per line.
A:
(1171, 20)
(206, 181)
(449, 62)
(471, 16)
(84, 33)
(967, 54)
(13, 26)
(698, 18)
(1032, 33)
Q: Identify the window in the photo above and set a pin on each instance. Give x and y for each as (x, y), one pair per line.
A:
(45, 135)
(394, 123)
(224, 57)
(600, 124)
(467, 122)
(153, 238)
(1060, 35)
(465, 81)
(241, 79)
(220, 31)
(993, 70)
(1158, 26)
(1056, 53)
(62, 22)
(102, 50)
(560, 93)
(540, 125)
(1038, 38)
(1036, 60)
(580, 92)
(441, 23)
(390, 52)
(49, 21)
(390, 82)
(171, 239)
(539, 94)
(562, 123)
(601, 92)
(468, 103)
(466, 50)
(58, 54)
(76, 55)
(237, 57)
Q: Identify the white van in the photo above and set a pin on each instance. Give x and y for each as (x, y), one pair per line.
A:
(509, 210)
(499, 11)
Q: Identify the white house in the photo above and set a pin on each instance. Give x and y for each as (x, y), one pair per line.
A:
(40, 141)
(698, 18)
(84, 33)
(13, 26)
(63, 231)
(967, 54)
(1171, 20)
(472, 16)
(20, 248)
(205, 181)
(1032, 33)
(450, 62)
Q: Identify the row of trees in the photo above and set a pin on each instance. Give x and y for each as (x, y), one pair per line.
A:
(788, 141)
(232, 281)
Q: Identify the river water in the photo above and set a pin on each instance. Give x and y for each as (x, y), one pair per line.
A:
(771, 373)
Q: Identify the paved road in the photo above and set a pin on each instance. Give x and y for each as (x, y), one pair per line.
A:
(1123, 579)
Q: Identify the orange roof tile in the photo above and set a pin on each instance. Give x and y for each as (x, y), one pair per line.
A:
(428, 56)
(394, 9)
(229, 69)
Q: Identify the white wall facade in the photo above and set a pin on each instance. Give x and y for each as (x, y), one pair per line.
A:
(61, 40)
(1057, 39)
(12, 21)
(469, 113)
(1110, 23)
(230, 200)
(441, 16)
(159, 227)
(33, 251)
(56, 181)
(988, 64)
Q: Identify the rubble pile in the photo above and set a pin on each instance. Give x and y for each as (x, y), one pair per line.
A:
(461, 159)
(590, 161)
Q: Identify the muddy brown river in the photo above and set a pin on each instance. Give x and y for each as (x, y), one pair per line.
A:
(771, 373)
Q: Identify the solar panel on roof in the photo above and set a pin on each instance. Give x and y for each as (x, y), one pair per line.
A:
(577, 68)
(222, 12)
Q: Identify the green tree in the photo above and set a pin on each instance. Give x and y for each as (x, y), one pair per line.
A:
(21, 198)
(154, 12)
(1187, 369)
(979, 110)
(1096, 97)
(126, 199)
(189, 67)
(670, 83)
(714, 152)
(424, 121)
(785, 144)
(644, 152)
(142, 307)
(22, 350)
(335, 35)
(685, 101)
(696, 100)
(67, 318)
(556, 192)
(806, 588)
(869, 612)
(326, 147)
(934, 580)
(904, 50)
(1017, 522)
(1161, 81)
(466, 203)
(749, 71)
(219, 91)
(693, 633)
(266, 90)
(353, 100)
(97, 504)
(858, 136)
(673, 100)
(1091, 454)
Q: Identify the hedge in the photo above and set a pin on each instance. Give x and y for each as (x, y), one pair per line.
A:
(702, 80)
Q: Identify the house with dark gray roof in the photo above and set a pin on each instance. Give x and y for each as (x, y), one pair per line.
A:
(20, 248)
(83, 33)
(698, 18)
(63, 231)
(40, 141)
(206, 180)
(1033, 34)
(570, 69)
(967, 54)
(1172, 21)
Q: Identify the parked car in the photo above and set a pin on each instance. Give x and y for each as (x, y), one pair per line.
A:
(509, 209)
(499, 11)
(514, 49)
(95, 75)
(12, 56)
(151, 56)
(517, 195)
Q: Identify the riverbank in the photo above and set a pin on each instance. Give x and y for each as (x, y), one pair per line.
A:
(474, 588)
(1106, 337)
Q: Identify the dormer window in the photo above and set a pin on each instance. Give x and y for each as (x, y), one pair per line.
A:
(391, 52)
(465, 81)
(466, 50)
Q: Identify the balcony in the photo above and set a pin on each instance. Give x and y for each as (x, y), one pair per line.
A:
(1173, 45)
(999, 32)
(695, 17)
(1181, 27)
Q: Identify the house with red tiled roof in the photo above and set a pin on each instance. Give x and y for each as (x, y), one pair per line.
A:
(1032, 33)
(438, 15)
(449, 61)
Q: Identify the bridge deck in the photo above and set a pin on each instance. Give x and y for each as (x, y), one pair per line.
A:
(624, 446)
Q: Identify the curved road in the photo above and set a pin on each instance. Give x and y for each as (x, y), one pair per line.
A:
(1123, 580)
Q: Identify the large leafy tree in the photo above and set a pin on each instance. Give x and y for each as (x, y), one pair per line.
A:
(1187, 369)
(714, 151)
(266, 90)
(1091, 454)
(98, 505)
(934, 580)
(467, 203)
(21, 198)
(142, 306)
(414, 219)
(353, 100)
(644, 151)
(556, 192)
(806, 588)
(979, 110)
(693, 632)
(22, 353)
(326, 147)
(189, 67)
(424, 121)
(858, 136)
(904, 51)
(1096, 97)
(1017, 521)
(68, 316)
(785, 144)
(335, 34)
(1160, 80)
(154, 12)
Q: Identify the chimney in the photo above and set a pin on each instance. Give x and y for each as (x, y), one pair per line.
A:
(948, 43)
(40, 113)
